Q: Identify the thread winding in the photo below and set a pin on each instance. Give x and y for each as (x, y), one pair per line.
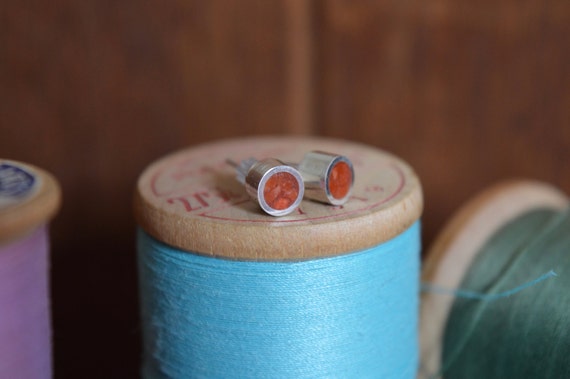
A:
(347, 316)
(25, 331)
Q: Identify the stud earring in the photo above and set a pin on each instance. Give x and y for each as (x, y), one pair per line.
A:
(278, 188)
(328, 177)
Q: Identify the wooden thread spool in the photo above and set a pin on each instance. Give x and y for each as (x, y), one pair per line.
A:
(456, 247)
(191, 201)
(29, 198)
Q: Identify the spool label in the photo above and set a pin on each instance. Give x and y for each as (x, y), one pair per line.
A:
(198, 182)
(16, 184)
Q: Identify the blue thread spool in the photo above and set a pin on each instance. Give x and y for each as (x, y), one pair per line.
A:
(452, 254)
(227, 291)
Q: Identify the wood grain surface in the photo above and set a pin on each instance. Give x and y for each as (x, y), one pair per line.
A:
(466, 92)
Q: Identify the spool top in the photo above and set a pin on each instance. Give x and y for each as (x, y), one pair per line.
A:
(192, 200)
(29, 197)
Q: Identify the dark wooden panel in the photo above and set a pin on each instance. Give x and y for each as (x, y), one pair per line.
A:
(93, 91)
(467, 92)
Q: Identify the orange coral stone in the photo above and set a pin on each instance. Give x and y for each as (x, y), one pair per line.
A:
(340, 180)
(281, 190)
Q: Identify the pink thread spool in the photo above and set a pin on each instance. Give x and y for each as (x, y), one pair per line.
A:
(29, 198)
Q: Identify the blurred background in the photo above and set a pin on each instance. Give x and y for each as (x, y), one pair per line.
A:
(468, 92)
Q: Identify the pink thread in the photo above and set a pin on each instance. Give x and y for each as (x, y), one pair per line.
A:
(25, 330)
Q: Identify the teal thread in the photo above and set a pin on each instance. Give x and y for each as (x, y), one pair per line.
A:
(522, 336)
(349, 316)
(466, 294)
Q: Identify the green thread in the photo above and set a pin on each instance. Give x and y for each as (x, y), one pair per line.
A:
(526, 335)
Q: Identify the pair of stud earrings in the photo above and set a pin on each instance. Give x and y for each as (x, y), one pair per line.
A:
(279, 187)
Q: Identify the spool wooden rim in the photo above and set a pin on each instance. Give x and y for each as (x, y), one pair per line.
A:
(29, 197)
(453, 251)
(192, 201)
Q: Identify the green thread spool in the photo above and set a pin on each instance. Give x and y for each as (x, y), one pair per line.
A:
(508, 235)
(528, 332)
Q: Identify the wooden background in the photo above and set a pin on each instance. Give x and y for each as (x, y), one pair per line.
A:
(468, 92)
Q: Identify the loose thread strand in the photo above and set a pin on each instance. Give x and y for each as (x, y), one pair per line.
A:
(474, 295)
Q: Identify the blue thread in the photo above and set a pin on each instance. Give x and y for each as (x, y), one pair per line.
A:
(474, 295)
(349, 316)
